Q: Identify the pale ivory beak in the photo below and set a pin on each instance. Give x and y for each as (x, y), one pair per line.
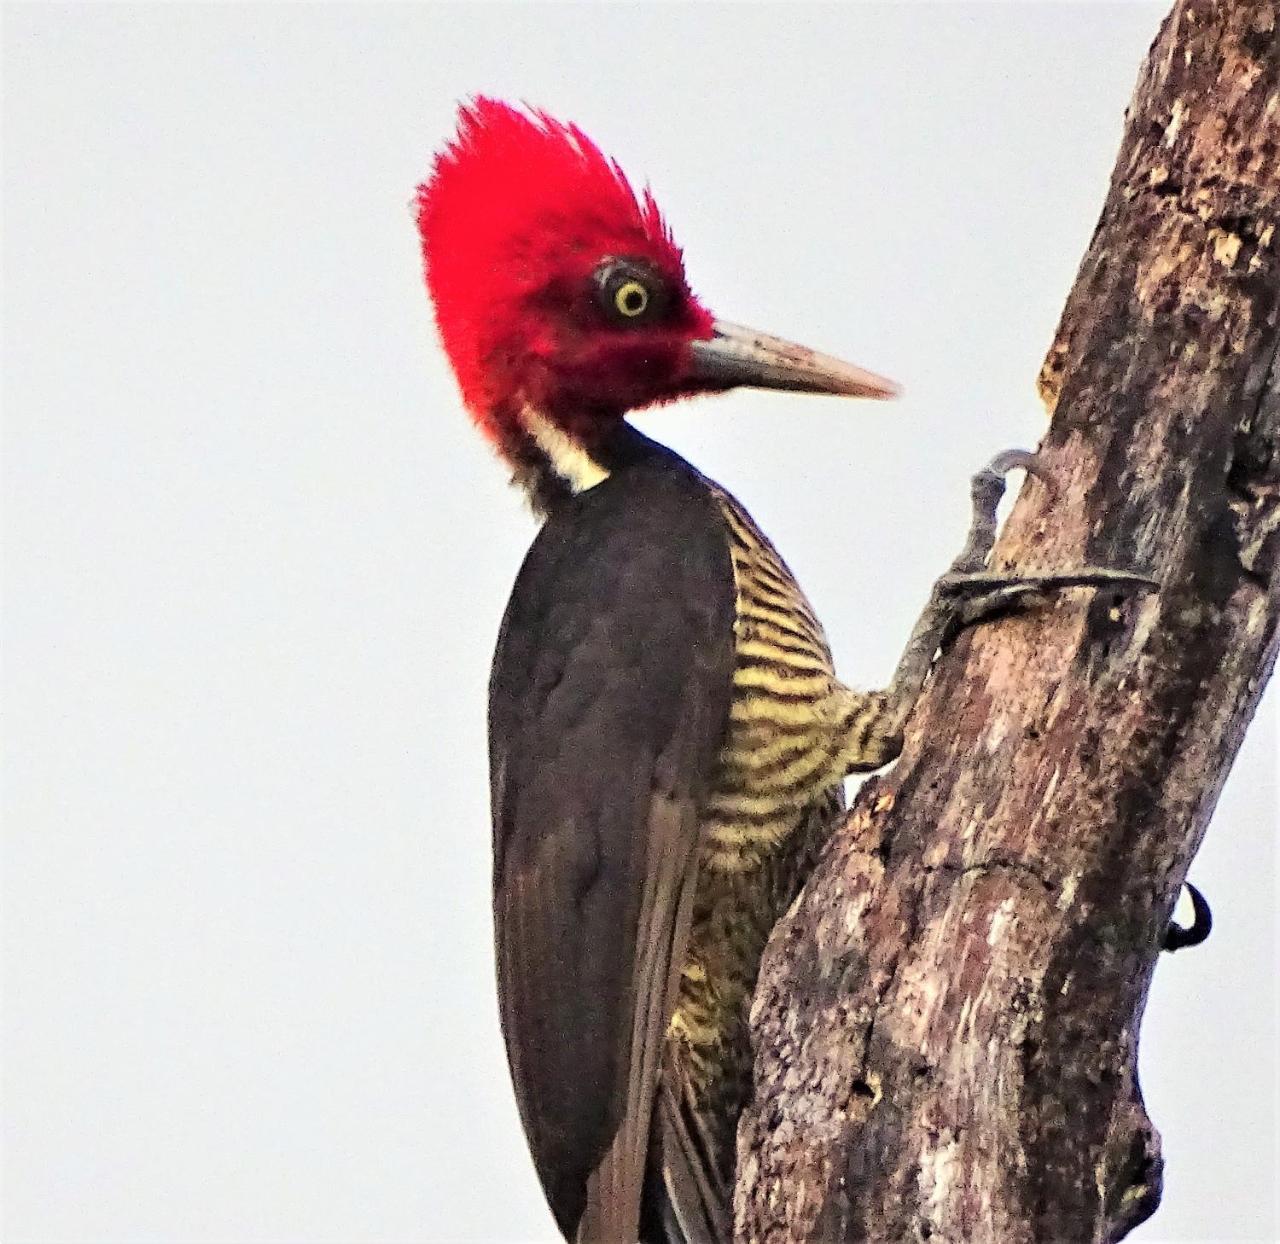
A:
(735, 356)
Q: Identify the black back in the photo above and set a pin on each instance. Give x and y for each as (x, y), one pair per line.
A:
(609, 700)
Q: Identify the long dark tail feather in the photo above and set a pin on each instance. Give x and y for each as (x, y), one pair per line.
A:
(685, 1200)
(658, 1224)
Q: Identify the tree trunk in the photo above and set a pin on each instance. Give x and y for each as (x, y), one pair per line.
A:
(947, 1021)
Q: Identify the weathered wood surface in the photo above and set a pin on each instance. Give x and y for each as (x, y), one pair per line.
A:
(947, 1021)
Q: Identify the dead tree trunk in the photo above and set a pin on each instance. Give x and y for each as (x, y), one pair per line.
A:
(947, 1021)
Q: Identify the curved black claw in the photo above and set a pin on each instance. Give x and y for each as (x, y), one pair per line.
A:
(1177, 937)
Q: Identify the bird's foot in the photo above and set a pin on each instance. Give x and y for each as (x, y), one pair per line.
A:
(982, 597)
(976, 594)
(969, 592)
(1177, 936)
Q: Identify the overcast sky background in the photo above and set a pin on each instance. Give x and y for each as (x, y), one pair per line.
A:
(256, 558)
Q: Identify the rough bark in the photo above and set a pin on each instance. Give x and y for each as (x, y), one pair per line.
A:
(947, 1021)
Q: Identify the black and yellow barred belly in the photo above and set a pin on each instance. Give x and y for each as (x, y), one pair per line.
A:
(794, 733)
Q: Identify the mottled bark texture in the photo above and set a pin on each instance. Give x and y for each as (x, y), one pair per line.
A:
(947, 1021)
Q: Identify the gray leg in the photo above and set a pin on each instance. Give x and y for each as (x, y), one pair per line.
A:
(968, 593)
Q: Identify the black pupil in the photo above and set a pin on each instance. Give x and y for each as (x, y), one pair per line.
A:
(633, 300)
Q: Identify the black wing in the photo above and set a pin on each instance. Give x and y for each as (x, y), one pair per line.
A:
(608, 702)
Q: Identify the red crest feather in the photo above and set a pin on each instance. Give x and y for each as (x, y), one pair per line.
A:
(513, 197)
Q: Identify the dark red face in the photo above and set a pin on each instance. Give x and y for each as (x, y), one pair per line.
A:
(605, 333)
(558, 288)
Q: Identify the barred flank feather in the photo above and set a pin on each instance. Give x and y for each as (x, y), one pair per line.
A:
(794, 732)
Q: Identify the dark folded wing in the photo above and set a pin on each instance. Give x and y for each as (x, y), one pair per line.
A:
(608, 702)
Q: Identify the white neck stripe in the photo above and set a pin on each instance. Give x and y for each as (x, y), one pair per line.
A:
(568, 458)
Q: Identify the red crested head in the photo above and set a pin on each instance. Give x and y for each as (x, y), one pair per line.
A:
(561, 296)
(555, 285)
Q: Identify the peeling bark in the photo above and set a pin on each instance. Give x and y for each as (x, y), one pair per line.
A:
(947, 1021)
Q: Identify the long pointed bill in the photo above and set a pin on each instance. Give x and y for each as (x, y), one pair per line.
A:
(736, 356)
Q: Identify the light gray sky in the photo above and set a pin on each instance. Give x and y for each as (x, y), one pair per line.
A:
(256, 557)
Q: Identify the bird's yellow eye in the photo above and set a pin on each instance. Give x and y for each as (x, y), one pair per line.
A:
(631, 299)
(630, 292)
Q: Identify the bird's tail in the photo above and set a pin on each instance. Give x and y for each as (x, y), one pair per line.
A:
(685, 1200)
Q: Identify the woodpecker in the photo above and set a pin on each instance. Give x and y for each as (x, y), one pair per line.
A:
(668, 737)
